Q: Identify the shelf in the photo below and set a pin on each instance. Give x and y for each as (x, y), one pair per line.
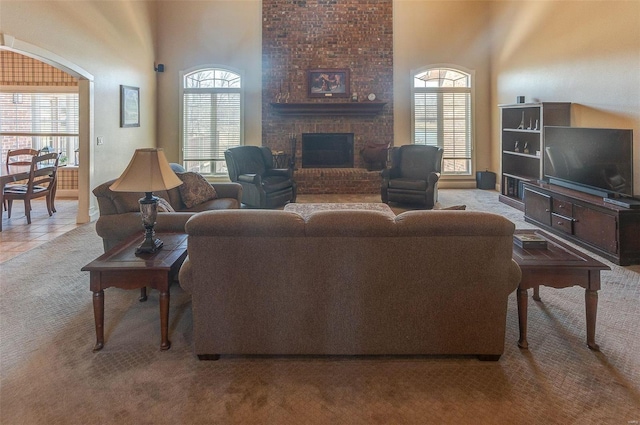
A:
(511, 201)
(519, 167)
(526, 155)
(329, 108)
(515, 176)
(521, 130)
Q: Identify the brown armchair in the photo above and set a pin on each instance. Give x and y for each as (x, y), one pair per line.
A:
(262, 185)
(413, 176)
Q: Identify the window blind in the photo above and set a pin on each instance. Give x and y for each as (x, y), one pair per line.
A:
(444, 119)
(211, 125)
(40, 121)
(54, 114)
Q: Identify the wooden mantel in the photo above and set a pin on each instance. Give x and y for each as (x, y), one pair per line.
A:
(329, 108)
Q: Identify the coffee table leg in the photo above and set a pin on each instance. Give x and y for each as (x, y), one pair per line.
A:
(522, 317)
(591, 308)
(165, 344)
(143, 294)
(536, 293)
(98, 314)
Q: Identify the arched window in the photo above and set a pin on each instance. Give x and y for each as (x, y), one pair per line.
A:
(212, 109)
(442, 99)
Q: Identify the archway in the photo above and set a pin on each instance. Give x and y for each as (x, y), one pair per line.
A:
(86, 204)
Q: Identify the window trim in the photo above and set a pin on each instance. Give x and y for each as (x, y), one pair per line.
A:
(46, 89)
(472, 78)
(182, 91)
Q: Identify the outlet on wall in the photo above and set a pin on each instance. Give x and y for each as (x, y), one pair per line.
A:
(100, 140)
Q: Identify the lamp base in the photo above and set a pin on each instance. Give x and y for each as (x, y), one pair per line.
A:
(149, 212)
(149, 246)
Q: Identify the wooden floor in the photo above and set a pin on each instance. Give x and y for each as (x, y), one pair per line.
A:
(17, 236)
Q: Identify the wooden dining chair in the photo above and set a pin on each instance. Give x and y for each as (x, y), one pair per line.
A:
(19, 157)
(41, 182)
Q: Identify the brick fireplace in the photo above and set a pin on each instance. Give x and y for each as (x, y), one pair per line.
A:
(300, 35)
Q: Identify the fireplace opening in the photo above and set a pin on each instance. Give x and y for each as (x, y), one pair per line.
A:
(327, 150)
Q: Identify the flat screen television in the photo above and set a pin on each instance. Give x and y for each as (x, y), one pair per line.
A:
(598, 161)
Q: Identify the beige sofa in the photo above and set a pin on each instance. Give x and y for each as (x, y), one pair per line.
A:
(349, 282)
(120, 211)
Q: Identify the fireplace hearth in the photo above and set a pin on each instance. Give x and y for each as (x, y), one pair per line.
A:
(327, 150)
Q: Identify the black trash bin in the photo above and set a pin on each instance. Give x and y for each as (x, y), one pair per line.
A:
(486, 180)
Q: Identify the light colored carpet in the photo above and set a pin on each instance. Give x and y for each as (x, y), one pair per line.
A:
(49, 375)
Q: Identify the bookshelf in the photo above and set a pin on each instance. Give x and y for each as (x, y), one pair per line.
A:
(522, 144)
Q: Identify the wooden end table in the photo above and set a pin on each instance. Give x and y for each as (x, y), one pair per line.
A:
(557, 266)
(120, 267)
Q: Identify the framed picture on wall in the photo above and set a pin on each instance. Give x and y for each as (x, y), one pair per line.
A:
(329, 82)
(129, 106)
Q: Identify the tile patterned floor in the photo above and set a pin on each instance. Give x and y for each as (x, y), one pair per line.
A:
(17, 236)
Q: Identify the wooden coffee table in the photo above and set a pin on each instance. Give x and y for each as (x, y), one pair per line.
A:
(557, 266)
(121, 268)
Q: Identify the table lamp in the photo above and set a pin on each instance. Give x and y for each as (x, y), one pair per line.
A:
(148, 171)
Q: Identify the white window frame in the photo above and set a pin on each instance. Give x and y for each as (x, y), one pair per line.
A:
(470, 90)
(205, 67)
(40, 139)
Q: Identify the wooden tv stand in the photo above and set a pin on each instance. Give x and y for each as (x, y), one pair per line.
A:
(608, 230)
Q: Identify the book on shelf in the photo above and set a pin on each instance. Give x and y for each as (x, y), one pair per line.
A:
(510, 186)
(529, 241)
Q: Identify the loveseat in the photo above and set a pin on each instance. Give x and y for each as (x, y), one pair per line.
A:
(120, 211)
(349, 282)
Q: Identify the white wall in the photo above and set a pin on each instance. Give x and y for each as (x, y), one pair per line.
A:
(193, 33)
(585, 52)
(113, 41)
(443, 32)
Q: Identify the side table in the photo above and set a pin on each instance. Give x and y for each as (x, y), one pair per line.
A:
(557, 266)
(120, 267)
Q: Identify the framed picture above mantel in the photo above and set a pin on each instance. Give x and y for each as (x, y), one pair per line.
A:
(328, 82)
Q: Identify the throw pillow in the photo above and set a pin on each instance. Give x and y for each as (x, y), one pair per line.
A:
(195, 189)
(164, 205)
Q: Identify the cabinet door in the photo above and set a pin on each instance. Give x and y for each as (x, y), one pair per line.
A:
(596, 228)
(537, 206)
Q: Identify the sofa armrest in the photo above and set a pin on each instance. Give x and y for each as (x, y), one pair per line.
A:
(185, 275)
(282, 172)
(228, 190)
(433, 178)
(117, 227)
(250, 178)
(515, 276)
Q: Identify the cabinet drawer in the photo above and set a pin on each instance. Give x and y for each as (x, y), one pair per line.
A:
(562, 207)
(537, 206)
(562, 223)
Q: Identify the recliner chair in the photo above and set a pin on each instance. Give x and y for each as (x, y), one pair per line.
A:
(263, 186)
(413, 176)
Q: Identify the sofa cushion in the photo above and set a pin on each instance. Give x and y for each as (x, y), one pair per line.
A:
(164, 205)
(409, 184)
(215, 204)
(126, 201)
(195, 189)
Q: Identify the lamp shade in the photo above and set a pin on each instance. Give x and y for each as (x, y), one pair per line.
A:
(148, 171)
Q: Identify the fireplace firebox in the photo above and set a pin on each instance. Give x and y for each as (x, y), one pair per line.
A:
(327, 150)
